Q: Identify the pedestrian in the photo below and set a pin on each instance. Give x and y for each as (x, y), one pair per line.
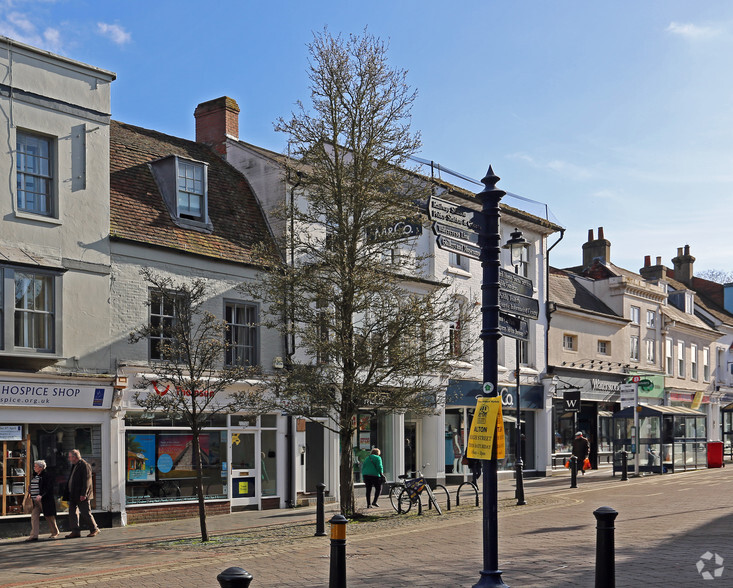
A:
(79, 493)
(372, 472)
(41, 493)
(581, 450)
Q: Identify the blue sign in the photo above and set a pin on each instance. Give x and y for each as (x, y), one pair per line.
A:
(98, 397)
(165, 463)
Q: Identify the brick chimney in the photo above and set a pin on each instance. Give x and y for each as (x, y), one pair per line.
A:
(596, 249)
(683, 265)
(653, 272)
(215, 121)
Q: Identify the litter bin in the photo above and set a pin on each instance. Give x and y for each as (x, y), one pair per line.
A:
(715, 454)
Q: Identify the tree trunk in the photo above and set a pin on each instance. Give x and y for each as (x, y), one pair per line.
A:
(200, 485)
(346, 471)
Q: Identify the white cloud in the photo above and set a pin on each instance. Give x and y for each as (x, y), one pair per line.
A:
(19, 27)
(114, 32)
(565, 168)
(692, 31)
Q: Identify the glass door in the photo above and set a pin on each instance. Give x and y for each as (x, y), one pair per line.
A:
(244, 468)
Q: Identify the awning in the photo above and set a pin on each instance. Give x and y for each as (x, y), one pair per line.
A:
(650, 411)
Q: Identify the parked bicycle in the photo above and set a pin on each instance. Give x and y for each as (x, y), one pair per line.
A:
(404, 495)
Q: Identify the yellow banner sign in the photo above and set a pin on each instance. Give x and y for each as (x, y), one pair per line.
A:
(487, 427)
(697, 401)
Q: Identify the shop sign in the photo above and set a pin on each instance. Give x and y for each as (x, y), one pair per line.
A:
(571, 398)
(11, 433)
(25, 394)
(465, 393)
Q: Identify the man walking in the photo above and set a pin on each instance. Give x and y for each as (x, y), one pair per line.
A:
(80, 492)
(581, 450)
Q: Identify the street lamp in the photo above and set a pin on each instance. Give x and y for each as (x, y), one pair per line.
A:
(517, 246)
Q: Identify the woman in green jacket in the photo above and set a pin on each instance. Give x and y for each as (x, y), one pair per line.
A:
(372, 471)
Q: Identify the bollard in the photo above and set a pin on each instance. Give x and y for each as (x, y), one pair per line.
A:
(605, 563)
(574, 472)
(624, 466)
(234, 578)
(320, 515)
(337, 572)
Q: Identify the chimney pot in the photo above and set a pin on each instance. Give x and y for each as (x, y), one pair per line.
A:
(647, 260)
(659, 260)
(600, 232)
(590, 235)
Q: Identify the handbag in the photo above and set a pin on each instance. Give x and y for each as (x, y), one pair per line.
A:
(382, 479)
(27, 504)
(586, 464)
(464, 459)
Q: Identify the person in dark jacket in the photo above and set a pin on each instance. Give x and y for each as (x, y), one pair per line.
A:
(79, 492)
(581, 450)
(372, 471)
(41, 493)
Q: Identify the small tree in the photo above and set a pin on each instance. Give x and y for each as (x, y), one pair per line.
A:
(716, 275)
(190, 382)
(370, 328)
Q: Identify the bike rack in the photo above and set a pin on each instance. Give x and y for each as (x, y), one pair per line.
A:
(447, 496)
(458, 492)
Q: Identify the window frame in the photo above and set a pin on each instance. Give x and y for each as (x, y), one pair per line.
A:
(49, 178)
(606, 347)
(151, 337)
(651, 319)
(668, 357)
(9, 311)
(681, 364)
(706, 364)
(572, 340)
(194, 165)
(458, 261)
(651, 351)
(693, 362)
(252, 328)
(634, 347)
(635, 315)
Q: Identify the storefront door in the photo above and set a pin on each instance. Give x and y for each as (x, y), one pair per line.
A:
(244, 468)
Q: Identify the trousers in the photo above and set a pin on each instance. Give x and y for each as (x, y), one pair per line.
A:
(81, 510)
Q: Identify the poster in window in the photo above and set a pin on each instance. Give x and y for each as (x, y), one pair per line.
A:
(365, 440)
(140, 457)
(180, 449)
(364, 421)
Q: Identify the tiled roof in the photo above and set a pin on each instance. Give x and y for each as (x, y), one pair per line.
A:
(706, 293)
(567, 291)
(139, 214)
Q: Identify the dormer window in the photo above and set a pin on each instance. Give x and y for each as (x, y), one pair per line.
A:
(183, 184)
(191, 195)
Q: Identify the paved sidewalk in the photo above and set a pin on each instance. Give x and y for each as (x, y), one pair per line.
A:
(665, 525)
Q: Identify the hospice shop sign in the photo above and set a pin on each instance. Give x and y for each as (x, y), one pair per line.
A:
(43, 395)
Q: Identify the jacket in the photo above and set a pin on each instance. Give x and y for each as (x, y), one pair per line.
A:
(372, 466)
(80, 482)
(581, 448)
(45, 490)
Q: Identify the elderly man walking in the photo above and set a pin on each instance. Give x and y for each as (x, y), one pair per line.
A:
(79, 492)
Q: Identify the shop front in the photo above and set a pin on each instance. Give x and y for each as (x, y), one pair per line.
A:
(242, 458)
(460, 405)
(45, 420)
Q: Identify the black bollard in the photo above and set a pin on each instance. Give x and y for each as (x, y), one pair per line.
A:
(320, 514)
(337, 571)
(624, 466)
(573, 472)
(234, 578)
(605, 559)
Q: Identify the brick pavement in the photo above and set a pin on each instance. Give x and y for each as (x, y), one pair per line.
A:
(665, 524)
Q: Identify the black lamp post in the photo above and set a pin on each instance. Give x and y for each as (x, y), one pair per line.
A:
(489, 241)
(517, 245)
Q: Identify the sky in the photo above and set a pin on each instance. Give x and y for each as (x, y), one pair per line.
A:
(606, 114)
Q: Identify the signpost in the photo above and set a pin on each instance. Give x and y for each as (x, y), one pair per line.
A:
(514, 327)
(462, 217)
(448, 244)
(455, 233)
(512, 282)
(519, 305)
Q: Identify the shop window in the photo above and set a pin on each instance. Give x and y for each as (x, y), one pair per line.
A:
(268, 464)
(161, 466)
(373, 430)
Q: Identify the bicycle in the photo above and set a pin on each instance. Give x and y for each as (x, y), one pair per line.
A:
(403, 495)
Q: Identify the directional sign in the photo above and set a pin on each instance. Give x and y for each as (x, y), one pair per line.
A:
(462, 217)
(628, 394)
(455, 233)
(525, 306)
(514, 327)
(448, 244)
(512, 282)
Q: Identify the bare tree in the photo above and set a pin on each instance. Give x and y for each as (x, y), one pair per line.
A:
(370, 327)
(716, 275)
(189, 380)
